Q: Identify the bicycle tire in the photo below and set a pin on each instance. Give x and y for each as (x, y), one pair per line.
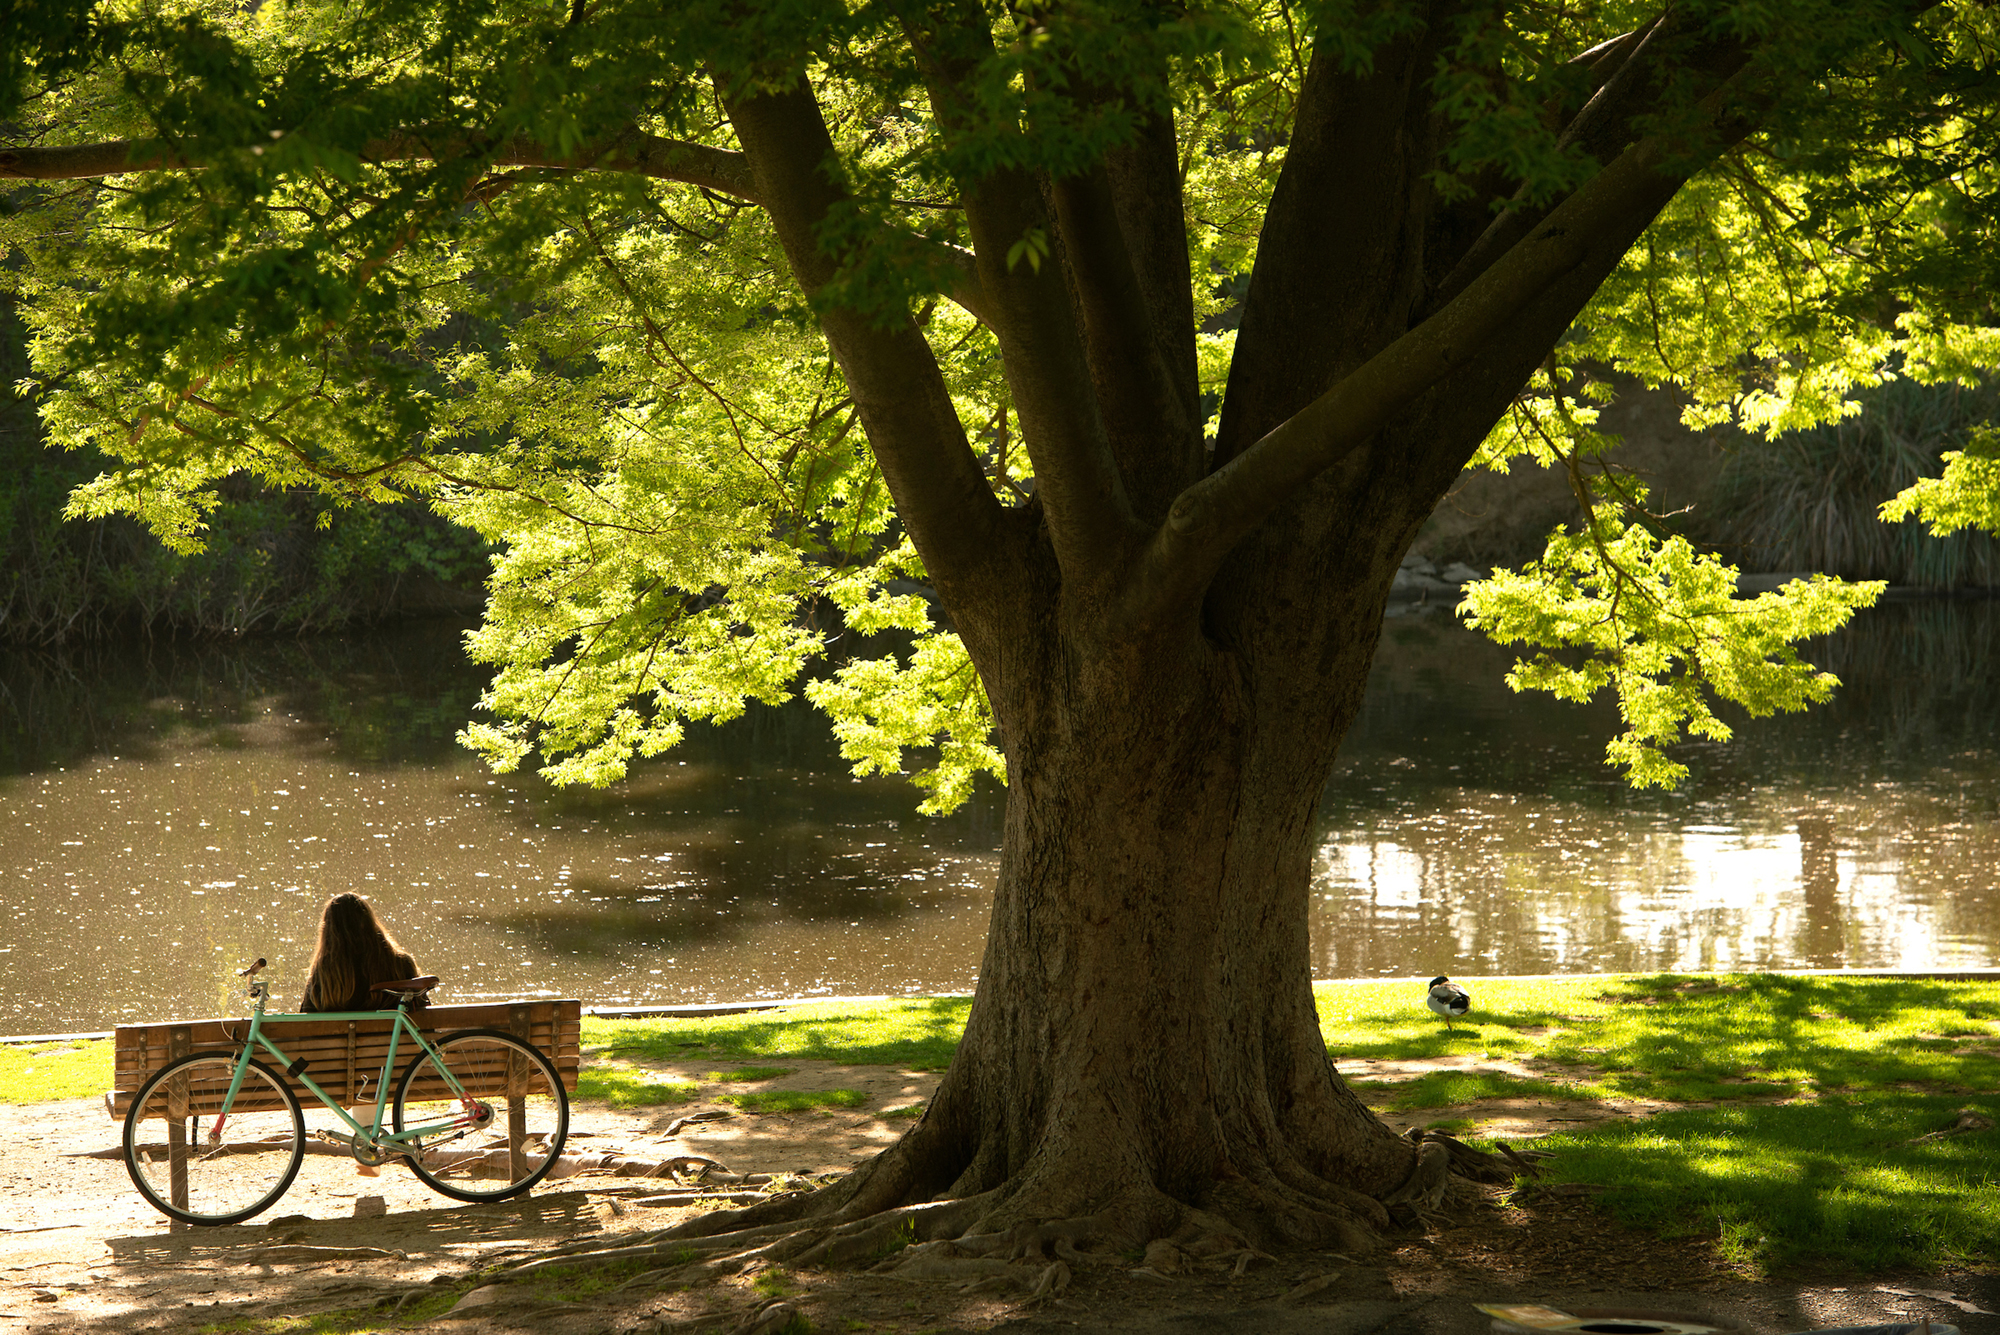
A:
(224, 1181)
(540, 1118)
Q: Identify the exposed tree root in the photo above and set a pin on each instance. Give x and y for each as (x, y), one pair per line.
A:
(1969, 1119)
(1025, 1237)
(1478, 1165)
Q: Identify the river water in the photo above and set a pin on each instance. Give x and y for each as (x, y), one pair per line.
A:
(168, 812)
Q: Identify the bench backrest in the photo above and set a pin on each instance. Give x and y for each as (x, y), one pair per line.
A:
(343, 1056)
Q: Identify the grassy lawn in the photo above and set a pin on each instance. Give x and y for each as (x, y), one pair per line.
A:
(42, 1072)
(1806, 1145)
(1813, 1092)
(920, 1033)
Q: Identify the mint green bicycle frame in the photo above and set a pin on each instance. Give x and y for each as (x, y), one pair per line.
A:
(371, 1136)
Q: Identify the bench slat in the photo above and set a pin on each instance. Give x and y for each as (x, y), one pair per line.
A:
(138, 1061)
(344, 1055)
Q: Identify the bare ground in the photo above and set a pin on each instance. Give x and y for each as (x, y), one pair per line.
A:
(79, 1250)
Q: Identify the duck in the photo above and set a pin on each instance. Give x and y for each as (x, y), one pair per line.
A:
(1448, 999)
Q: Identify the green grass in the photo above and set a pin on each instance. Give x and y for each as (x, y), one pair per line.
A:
(623, 1087)
(1818, 1086)
(1445, 1089)
(1831, 1182)
(921, 1033)
(570, 1284)
(748, 1073)
(44, 1072)
(796, 1100)
(351, 1321)
(1693, 1039)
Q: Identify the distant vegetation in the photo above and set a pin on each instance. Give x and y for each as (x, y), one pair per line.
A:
(1808, 500)
(289, 563)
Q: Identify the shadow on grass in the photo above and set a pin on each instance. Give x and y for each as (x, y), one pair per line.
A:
(1682, 1039)
(1832, 1182)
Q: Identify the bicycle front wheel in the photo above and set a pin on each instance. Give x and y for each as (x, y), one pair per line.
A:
(504, 1136)
(195, 1163)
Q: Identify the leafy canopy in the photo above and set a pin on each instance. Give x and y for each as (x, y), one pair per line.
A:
(506, 258)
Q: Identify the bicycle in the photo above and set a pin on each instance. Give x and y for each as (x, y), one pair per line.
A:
(233, 1167)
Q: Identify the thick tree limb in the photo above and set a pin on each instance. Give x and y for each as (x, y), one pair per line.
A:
(941, 493)
(1143, 411)
(1340, 257)
(1048, 372)
(632, 151)
(1147, 190)
(1031, 313)
(1211, 516)
(722, 170)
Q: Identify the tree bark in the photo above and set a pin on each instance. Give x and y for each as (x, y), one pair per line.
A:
(1144, 1039)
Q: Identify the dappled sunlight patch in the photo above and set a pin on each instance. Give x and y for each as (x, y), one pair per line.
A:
(920, 1032)
(795, 1100)
(37, 1072)
(1443, 1089)
(628, 1087)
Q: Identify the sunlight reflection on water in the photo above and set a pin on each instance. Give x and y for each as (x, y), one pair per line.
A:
(1470, 831)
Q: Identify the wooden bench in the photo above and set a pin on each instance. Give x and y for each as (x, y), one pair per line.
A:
(344, 1057)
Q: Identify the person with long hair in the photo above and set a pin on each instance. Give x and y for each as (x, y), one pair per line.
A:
(355, 952)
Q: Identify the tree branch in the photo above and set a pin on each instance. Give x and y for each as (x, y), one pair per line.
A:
(1340, 257)
(630, 151)
(1213, 515)
(1030, 311)
(1629, 72)
(905, 407)
(1125, 239)
(1083, 498)
(722, 170)
(1144, 414)
(1146, 187)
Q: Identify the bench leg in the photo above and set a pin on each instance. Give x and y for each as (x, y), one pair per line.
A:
(179, 1044)
(517, 1118)
(177, 1142)
(177, 1162)
(521, 1023)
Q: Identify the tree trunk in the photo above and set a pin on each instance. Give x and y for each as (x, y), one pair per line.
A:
(1143, 1055)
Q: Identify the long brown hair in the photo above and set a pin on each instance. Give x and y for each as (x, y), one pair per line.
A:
(354, 950)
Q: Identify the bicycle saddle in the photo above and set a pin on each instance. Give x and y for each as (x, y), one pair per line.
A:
(412, 986)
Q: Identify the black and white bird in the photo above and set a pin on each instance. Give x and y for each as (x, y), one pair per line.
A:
(1448, 999)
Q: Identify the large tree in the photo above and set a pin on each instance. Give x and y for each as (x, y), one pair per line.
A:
(1110, 351)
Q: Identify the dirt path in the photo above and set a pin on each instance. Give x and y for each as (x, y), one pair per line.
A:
(79, 1250)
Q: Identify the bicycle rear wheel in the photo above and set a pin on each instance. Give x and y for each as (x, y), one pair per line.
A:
(505, 1137)
(197, 1166)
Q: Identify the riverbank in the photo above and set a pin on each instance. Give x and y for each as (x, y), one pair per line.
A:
(706, 1009)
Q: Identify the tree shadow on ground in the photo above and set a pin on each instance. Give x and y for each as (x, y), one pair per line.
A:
(1861, 1189)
